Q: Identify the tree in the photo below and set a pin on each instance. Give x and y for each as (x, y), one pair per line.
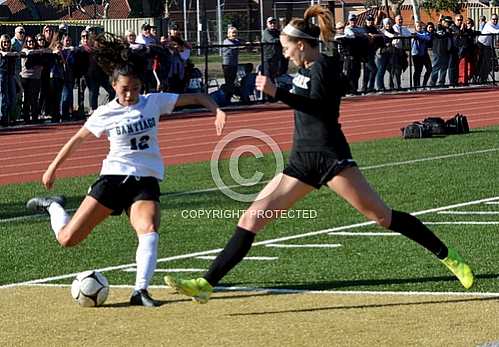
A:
(442, 5)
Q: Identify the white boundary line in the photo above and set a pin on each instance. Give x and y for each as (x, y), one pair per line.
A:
(286, 238)
(132, 269)
(301, 291)
(354, 233)
(207, 190)
(321, 245)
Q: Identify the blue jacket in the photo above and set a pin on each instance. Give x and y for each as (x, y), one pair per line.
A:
(419, 46)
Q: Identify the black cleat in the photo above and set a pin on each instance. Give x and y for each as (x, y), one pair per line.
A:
(141, 298)
(41, 204)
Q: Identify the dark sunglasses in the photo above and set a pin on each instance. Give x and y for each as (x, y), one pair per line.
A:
(30, 41)
(21, 32)
(40, 39)
(84, 35)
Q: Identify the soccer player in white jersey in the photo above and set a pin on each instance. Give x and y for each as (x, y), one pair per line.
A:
(130, 173)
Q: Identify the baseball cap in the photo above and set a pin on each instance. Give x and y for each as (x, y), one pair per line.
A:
(271, 19)
(386, 21)
(370, 17)
(352, 16)
(63, 26)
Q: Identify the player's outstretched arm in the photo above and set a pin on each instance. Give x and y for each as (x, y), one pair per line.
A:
(205, 101)
(70, 146)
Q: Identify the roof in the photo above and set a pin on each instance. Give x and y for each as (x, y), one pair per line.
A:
(117, 9)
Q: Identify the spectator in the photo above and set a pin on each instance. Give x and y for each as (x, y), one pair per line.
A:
(48, 35)
(356, 40)
(272, 49)
(384, 54)
(456, 30)
(487, 54)
(56, 82)
(17, 43)
(31, 73)
(375, 41)
(399, 58)
(7, 80)
(180, 52)
(482, 23)
(467, 52)
(68, 56)
(230, 61)
(145, 38)
(442, 44)
(131, 38)
(420, 56)
(154, 34)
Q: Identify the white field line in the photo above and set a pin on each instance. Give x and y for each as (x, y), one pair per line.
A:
(371, 167)
(492, 203)
(349, 233)
(211, 257)
(470, 212)
(299, 291)
(281, 239)
(322, 245)
(167, 270)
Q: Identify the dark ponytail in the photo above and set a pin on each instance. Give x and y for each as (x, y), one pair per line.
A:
(116, 58)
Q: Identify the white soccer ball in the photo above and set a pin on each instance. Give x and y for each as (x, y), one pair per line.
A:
(90, 289)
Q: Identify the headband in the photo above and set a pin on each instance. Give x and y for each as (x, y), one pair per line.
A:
(294, 32)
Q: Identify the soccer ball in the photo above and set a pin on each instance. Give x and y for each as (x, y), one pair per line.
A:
(90, 289)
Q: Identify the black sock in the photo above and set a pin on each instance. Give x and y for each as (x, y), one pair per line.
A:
(235, 250)
(412, 228)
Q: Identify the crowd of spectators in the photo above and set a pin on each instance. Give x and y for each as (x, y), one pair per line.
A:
(451, 52)
(38, 74)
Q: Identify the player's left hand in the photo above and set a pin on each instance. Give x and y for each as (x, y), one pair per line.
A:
(264, 84)
(220, 121)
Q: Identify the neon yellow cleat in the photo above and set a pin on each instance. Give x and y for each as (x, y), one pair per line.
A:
(198, 288)
(456, 264)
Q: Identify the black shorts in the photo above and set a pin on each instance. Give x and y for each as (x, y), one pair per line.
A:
(119, 192)
(315, 168)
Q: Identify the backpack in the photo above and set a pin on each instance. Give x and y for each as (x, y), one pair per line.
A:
(436, 125)
(457, 125)
(416, 130)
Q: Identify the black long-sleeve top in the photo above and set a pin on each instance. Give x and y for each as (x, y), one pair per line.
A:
(316, 97)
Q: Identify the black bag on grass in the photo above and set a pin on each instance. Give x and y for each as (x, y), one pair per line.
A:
(457, 125)
(436, 125)
(416, 130)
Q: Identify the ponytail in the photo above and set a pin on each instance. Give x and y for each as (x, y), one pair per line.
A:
(311, 32)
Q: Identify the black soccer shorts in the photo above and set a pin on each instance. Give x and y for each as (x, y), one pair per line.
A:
(315, 168)
(119, 192)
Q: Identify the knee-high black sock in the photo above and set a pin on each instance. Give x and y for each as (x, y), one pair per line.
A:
(412, 228)
(235, 250)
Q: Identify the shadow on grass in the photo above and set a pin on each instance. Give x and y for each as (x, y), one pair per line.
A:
(369, 306)
(332, 285)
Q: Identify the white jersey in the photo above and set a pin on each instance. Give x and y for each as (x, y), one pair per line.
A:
(132, 133)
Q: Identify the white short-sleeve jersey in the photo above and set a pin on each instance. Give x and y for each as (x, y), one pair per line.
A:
(132, 132)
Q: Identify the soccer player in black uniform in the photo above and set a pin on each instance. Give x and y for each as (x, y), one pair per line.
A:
(320, 156)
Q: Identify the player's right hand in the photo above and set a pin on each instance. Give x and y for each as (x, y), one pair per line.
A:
(48, 179)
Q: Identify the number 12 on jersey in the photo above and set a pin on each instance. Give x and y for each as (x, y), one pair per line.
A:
(139, 144)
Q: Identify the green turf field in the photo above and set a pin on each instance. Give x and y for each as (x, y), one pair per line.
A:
(416, 175)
